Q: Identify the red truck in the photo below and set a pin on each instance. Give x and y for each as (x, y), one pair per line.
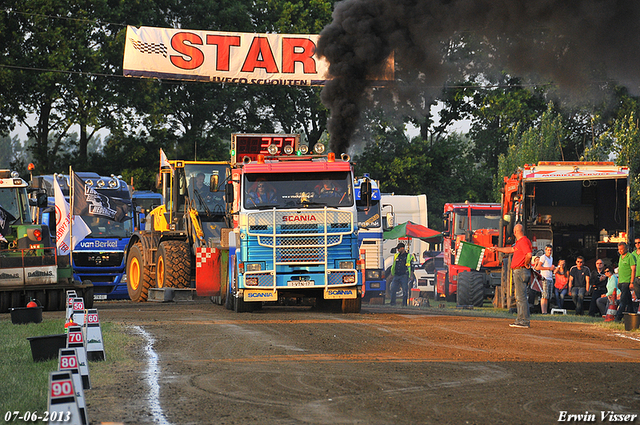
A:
(478, 223)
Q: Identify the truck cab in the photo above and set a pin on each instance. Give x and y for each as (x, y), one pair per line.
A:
(476, 223)
(370, 239)
(295, 225)
(98, 258)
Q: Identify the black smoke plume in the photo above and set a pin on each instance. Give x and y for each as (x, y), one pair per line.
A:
(570, 43)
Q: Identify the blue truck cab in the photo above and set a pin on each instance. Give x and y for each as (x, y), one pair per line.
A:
(143, 202)
(99, 257)
(296, 230)
(370, 239)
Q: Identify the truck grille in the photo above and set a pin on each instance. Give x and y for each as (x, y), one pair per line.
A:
(97, 259)
(300, 242)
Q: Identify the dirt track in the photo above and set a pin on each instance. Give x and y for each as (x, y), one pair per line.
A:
(294, 366)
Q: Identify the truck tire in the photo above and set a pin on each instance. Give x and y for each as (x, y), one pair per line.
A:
(352, 305)
(53, 299)
(5, 301)
(87, 294)
(173, 266)
(16, 300)
(470, 289)
(240, 306)
(139, 278)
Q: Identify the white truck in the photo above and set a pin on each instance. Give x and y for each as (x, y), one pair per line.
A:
(398, 209)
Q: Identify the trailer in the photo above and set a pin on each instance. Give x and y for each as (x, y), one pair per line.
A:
(580, 208)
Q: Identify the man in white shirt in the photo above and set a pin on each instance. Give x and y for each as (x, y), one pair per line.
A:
(545, 266)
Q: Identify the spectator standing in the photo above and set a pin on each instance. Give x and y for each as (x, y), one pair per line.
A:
(598, 286)
(636, 256)
(626, 275)
(561, 285)
(608, 297)
(520, 267)
(400, 271)
(579, 277)
(546, 270)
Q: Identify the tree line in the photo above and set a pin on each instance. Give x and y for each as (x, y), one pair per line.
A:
(61, 79)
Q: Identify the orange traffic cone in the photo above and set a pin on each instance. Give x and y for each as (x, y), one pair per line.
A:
(611, 308)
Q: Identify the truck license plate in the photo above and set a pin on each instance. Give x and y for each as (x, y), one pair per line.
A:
(99, 296)
(301, 283)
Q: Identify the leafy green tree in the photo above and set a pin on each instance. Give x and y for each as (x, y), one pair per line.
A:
(542, 141)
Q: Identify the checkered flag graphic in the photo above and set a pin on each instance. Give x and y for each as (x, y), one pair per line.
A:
(151, 48)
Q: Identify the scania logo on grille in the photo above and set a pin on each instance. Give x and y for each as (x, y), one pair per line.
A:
(302, 217)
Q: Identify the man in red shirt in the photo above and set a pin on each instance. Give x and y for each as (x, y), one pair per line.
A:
(521, 268)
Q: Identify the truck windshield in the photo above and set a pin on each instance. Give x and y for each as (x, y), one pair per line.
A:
(14, 201)
(293, 190)
(206, 199)
(479, 220)
(102, 227)
(368, 218)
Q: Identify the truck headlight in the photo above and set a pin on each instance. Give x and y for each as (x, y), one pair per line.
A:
(349, 278)
(345, 264)
(373, 274)
(253, 267)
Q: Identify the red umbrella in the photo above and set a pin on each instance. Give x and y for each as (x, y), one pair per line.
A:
(413, 230)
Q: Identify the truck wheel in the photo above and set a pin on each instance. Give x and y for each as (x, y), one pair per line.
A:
(53, 299)
(462, 294)
(471, 289)
(87, 295)
(139, 278)
(352, 305)
(16, 299)
(42, 299)
(5, 301)
(173, 267)
(239, 306)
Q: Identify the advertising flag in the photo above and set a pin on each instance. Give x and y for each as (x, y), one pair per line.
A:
(164, 162)
(63, 223)
(87, 201)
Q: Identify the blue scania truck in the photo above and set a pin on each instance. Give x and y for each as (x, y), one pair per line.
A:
(370, 241)
(295, 225)
(99, 257)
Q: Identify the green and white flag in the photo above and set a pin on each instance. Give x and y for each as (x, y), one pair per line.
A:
(470, 255)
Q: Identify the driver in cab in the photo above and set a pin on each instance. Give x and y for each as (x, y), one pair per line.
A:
(327, 188)
(261, 193)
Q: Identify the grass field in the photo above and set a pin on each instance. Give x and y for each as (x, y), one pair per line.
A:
(24, 383)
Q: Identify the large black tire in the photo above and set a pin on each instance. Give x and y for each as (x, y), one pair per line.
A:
(240, 306)
(16, 300)
(173, 266)
(470, 289)
(139, 278)
(352, 305)
(5, 301)
(53, 299)
(41, 299)
(87, 295)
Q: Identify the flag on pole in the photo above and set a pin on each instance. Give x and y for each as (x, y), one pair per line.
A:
(164, 162)
(87, 201)
(470, 255)
(64, 223)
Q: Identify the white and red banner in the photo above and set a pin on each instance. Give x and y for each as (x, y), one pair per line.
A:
(63, 223)
(226, 57)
